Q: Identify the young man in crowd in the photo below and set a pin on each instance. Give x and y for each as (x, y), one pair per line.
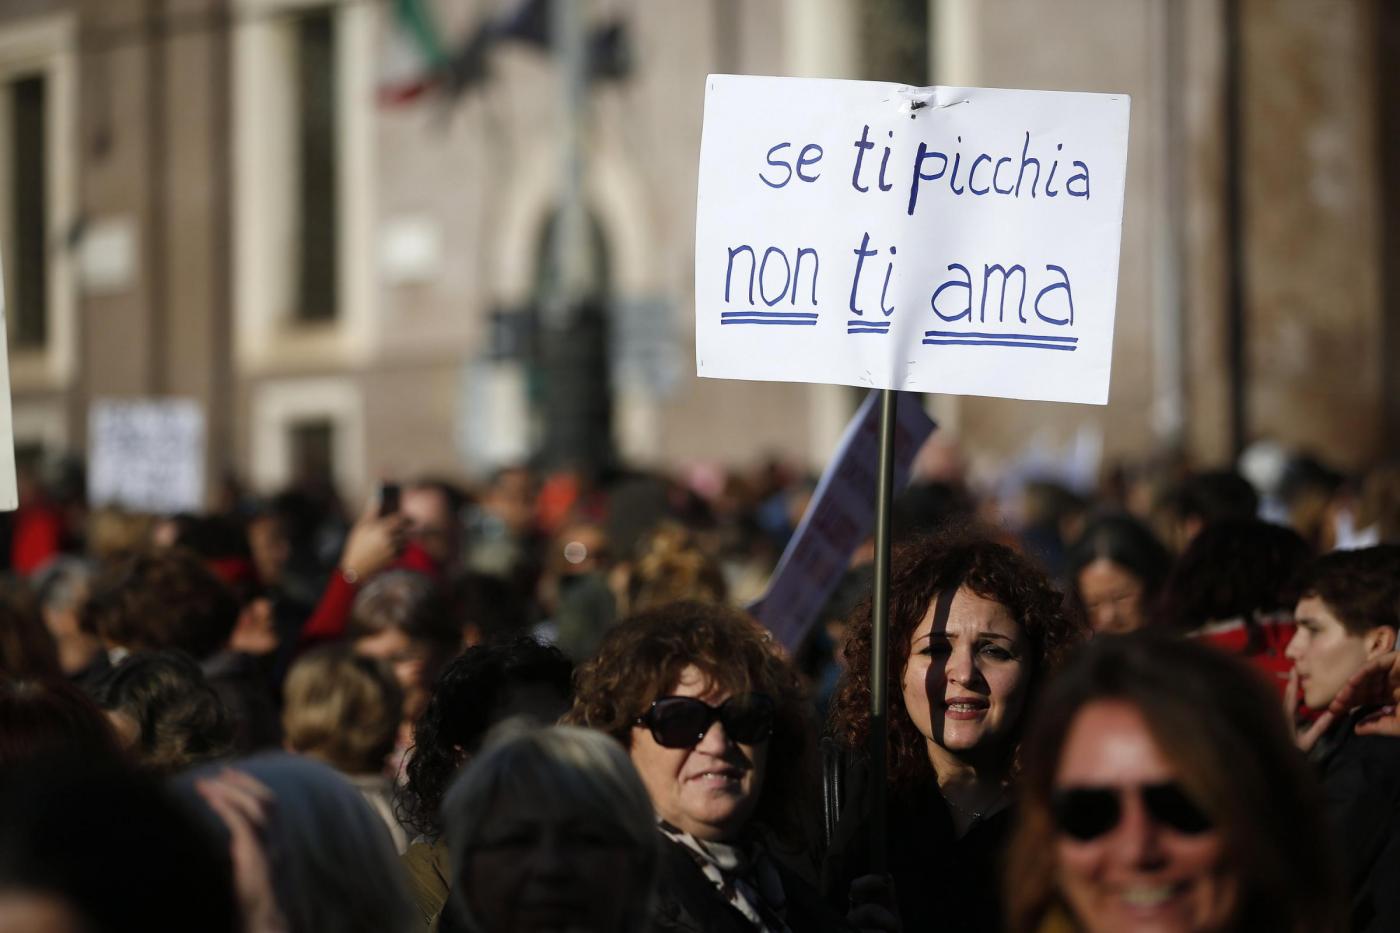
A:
(1348, 616)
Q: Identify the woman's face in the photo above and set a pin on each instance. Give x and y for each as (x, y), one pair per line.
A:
(710, 789)
(1323, 652)
(1140, 874)
(541, 868)
(1112, 597)
(965, 683)
(32, 912)
(415, 662)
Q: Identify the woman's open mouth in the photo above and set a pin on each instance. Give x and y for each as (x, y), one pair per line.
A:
(965, 708)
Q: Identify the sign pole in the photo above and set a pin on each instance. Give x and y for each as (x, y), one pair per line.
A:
(879, 638)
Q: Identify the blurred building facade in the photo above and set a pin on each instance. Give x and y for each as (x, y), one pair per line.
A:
(236, 201)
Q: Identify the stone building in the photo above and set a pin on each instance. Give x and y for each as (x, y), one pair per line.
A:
(217, 199)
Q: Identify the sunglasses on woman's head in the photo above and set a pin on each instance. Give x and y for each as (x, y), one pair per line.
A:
(1086, 813)
(681, 722)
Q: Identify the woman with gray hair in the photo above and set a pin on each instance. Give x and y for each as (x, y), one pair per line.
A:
(308, 852)
(550, 829)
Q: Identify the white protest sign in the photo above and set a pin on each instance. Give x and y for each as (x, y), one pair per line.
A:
(9, 492)
(146, 454)
(955, 240)
(838, 518)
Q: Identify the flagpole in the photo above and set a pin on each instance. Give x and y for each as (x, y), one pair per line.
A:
(879, 639)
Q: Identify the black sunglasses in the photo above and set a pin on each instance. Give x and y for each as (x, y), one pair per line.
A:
(681, 722)
(1086, 813)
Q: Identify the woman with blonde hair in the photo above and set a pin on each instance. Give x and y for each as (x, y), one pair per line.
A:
(344, 709)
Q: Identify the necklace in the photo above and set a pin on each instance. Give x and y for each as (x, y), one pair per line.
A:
(973, 815)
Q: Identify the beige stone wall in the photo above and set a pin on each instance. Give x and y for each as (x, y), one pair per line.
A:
(1313, 285)
(479, 175)
(1204, 259)
(1115, 51)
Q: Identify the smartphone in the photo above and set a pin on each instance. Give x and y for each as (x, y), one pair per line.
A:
(388, 498)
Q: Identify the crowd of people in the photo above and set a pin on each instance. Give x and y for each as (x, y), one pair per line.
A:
(1167, 703)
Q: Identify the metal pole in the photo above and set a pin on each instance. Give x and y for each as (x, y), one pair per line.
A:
(570, 267)
(577, 412)
(879, 639)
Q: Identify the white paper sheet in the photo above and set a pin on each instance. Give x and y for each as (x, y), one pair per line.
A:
(146, 454)
(981, 258)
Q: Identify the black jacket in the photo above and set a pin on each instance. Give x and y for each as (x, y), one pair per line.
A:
(1361, 783)
(686, 901)
(942, 882)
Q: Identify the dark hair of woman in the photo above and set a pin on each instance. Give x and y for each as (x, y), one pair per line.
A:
(1234, 570)
(642, 658)
(921, 568)
(51, 718)
(1224, 732)
(168, 599)
(468, 698)
(180, 720)
(113, 849)
(1127, 542)
(26, 647)
(406, 600)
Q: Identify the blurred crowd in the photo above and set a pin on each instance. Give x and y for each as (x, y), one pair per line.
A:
(1162, 700)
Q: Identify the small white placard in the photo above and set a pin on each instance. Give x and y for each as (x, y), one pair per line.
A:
(410, 249)
(942, 239)
(107, 255)
(146, 455)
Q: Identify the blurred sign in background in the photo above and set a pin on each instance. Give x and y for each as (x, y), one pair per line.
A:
(146, 455)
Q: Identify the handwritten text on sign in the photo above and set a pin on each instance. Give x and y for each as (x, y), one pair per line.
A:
(957, 240)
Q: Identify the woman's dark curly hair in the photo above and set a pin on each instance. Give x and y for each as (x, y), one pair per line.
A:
(466, 701)
(922, 568)
(642, 658)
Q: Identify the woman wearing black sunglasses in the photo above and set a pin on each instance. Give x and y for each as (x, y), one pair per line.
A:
(715, 722)
(1161, 791)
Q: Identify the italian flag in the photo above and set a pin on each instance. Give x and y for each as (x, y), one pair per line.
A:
(414, 57)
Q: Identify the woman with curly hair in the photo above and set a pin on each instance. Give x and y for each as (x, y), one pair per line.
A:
(485, 685)
(715, 721)
(974, 630)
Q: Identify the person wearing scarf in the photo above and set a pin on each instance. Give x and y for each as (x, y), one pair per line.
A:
(714, 719)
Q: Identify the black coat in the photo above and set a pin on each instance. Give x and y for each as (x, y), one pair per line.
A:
(1361, 783)
(942, 882)
(687, 902)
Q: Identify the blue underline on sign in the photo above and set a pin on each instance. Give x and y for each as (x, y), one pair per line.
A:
(790, 318)
(867, 327)
(780, 323)
(974, 336)
(929, 341)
